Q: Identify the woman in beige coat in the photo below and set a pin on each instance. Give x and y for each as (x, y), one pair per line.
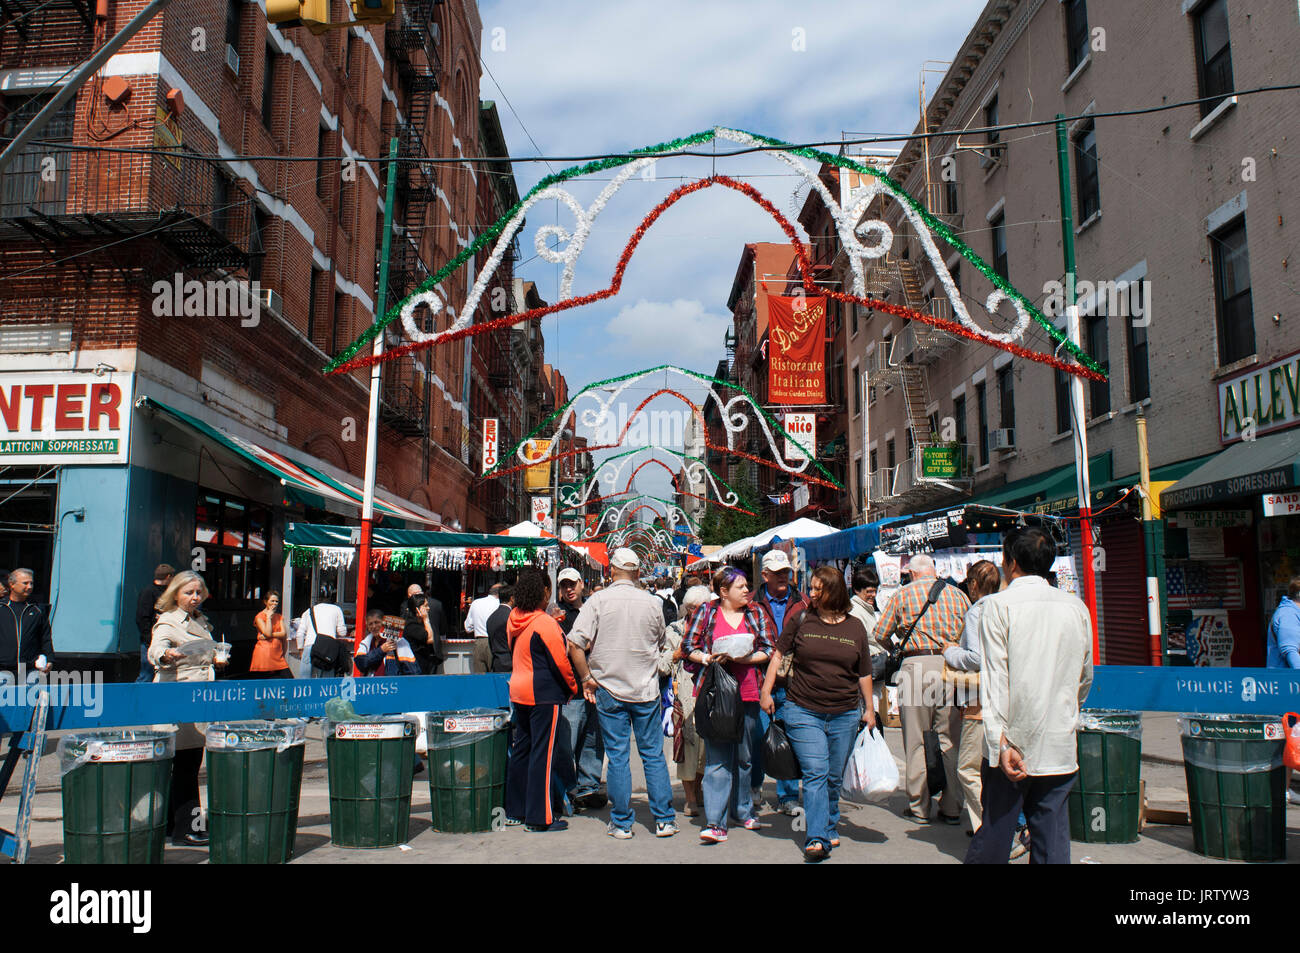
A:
(182, 650)
(690, 770)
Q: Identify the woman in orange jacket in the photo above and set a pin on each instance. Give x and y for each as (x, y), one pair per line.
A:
(540, 682)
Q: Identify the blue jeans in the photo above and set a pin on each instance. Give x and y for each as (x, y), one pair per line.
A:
(786, 791)
(579, 752)
(822, 744)
(146, 669)
(619, 721)
(727, 774)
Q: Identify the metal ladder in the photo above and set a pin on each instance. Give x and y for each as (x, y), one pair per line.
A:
(27, 744)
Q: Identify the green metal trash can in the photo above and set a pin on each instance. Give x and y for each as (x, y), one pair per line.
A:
(115, 787)
(467, 768)
(371, 764)
(1105, 802)
(254, 779)
(1235, 785)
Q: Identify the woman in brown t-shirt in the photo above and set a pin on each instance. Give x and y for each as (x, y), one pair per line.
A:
(832, 671)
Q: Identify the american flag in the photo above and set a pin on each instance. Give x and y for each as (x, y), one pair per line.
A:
(1205, 584)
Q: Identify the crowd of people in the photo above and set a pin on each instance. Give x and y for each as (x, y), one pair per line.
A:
(994, 667)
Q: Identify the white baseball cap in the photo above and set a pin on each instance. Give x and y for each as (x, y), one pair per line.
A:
(569, 574)
(775, 561)
(624, 558)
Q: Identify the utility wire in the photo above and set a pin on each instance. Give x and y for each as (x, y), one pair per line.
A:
(883, 137)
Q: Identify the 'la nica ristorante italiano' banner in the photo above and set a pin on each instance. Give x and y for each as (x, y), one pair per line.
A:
(796, 368)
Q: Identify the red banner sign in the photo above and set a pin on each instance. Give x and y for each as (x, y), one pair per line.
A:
(796, 369)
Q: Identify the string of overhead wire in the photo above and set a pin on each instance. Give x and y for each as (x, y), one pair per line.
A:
(746, 150)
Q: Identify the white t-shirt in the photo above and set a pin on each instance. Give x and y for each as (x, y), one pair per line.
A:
(330, 618)
(479, 610)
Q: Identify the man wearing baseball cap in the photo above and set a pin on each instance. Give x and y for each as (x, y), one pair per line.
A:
(614, 647)
(579, 750)
(781, 602)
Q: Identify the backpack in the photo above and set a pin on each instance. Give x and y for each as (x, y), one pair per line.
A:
(326, 649)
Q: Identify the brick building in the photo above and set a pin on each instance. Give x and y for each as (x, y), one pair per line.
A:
(225, 427)
(1182, 223)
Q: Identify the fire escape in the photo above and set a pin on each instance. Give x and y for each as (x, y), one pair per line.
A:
(902, 362)
(411, 40)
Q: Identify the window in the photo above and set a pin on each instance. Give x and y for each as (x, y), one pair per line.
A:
(349, 61)
(340, 321)
(1085, 167)
(1099, 348)
(994, 136)
(257, 245)
(982, 421)
(857, 474)
(857, 392)
(955, 271)
(232, 23)
(311, 305)
(1213, 54)
(853, 319)
(268, 86)
(934, 426)
(911, 444)
(1062, 402)
(874, 462)
(950, 206)
(891, 462)
(1076, 32)
(1232, 292)
(26, 185)
(1006, 398)
(1139, 374)
(233, 536)
(999, 226)
(322, 167)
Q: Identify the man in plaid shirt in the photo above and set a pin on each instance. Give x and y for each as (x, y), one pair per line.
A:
(925, 703)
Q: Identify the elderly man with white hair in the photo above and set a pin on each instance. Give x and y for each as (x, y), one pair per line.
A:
(924, 617)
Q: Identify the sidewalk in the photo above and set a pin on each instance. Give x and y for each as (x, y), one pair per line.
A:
(871, 834)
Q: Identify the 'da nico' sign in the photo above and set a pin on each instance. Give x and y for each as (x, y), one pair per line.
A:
(49, 417)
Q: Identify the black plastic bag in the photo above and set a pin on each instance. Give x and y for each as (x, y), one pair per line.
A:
(719, 716)
(936, 778)
(779, 759)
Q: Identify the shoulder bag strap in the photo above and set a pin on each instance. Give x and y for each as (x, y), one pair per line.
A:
(935, 591)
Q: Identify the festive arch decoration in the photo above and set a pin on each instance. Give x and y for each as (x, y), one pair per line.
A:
(621, 514)
(861, 242)
(735, 414)
(611, 468)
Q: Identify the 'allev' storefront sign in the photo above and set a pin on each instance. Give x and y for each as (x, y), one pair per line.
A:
(1267, 397)
(52, 417)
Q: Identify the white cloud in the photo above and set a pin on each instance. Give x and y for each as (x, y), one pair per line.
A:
(668, 332)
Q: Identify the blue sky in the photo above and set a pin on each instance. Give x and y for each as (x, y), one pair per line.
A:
(593, 78)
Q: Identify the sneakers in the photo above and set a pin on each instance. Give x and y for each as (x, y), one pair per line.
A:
(756, 798)
(514, 822)
(1021, 845)
(560, 825)
(619, 832)
(753, 824)
(590, 802)
(666, 829)
(789, 808)
(1292, 797)
(951, 821)
(713, 835)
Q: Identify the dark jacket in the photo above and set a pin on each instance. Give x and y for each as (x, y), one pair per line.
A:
(374, 662)
(429, 653)
(499, 639)
(145, 614)
(570, 615)
(24, 634)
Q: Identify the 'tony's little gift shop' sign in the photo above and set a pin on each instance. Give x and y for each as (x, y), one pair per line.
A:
(52, 417)
(1266, 397)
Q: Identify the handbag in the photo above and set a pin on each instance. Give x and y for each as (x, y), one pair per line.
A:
(894, 661)
(325, 649)
(679, 736)
(779, 758)
(719, 714)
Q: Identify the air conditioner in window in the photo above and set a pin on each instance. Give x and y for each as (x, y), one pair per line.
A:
(232, 59)
(272, 302)
(1003, 439)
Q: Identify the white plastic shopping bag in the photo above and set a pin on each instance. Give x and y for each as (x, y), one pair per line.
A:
(871, 773)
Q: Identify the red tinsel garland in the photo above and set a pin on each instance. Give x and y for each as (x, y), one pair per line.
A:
(805, 269)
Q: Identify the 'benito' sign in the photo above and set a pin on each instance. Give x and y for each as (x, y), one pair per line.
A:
(1267, 397)
(49, 417)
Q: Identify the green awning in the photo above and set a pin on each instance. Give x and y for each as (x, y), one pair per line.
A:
(318, 535)
(302, 482)
(1245, 469)
(1046, 488)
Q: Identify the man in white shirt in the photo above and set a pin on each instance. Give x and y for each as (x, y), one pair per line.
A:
(323, 618)
(1036, 670)
(476, 624)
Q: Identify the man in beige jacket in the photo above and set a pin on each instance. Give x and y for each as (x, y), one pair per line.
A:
(1035, 673)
